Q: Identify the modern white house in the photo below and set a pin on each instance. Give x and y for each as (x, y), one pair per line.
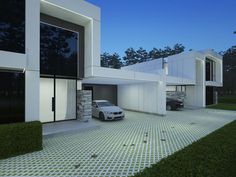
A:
(50, 50)
(197, 74)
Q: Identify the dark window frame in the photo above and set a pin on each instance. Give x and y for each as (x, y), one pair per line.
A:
(211, 73)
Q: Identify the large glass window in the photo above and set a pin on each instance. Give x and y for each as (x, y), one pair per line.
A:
(12, 97)
(12, 25)
(58, 51)
(210, 70)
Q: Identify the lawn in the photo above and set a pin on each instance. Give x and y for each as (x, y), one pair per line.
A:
(211, 156)
(224, 106)
(229, 99)
(227, 102)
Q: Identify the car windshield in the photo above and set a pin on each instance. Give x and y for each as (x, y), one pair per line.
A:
(104, 104)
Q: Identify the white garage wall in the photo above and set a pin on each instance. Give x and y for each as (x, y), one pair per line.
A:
(195, 95)
(148, 97)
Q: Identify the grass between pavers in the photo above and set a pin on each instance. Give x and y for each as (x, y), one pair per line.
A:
(223, 106)
(211, 156)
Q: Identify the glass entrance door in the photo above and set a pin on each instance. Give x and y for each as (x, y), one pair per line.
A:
(46, 99)
(57, 99)
(65, 99)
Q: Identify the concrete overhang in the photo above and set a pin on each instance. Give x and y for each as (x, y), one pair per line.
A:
(110, 76)
(70, 10)
(170, 80)
(214, 84)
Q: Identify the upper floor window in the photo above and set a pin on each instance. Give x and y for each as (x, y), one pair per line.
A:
(12, 25)
(58, 51)
(210, 70)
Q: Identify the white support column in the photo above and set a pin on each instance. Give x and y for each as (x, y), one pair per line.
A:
(32, 80)
(92, 46)
(32, 76)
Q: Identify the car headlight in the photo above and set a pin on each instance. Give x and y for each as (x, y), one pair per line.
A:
(107, 112)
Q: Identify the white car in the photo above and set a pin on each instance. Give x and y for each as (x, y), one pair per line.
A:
(104, 110)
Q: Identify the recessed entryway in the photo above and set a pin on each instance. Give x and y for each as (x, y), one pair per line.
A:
(57, 99)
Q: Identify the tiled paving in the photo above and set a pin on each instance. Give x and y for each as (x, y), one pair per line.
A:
(119, 148)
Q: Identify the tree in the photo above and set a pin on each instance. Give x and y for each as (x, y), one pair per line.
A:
(115, 61)
(229, 71)
(178, 48)
(142, 55)
(111, 60)
(105, 59)
(130, 57)
(155, 53)
(167, 51)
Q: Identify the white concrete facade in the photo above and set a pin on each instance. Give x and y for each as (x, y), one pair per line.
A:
(75, 11)
(186, 69)
(82, 13)
(140, 87)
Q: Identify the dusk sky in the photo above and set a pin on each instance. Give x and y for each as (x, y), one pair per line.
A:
(197, 24)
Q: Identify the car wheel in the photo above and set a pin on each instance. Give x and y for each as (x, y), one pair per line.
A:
(101, 116)
(168, 107)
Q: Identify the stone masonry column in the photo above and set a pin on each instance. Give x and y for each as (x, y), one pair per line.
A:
(84, 105)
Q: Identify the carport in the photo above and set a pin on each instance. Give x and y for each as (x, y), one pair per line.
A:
(130, 90)
(102, 92)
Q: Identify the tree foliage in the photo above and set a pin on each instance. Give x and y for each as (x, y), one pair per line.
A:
(133, 56)
(229, 71)
(111, 60)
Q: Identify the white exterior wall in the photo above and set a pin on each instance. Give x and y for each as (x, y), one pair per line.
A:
(92, 47)
(153, 67)
(28, 62)
(146, 97)
(188, 69)
(182, 66)
(195, 95)
(75, 11)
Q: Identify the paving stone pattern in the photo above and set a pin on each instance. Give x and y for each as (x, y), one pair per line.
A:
(118, 148)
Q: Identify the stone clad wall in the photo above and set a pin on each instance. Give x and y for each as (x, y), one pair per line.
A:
(84, 105)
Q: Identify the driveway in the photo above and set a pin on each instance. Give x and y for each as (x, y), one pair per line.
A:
(119, 148)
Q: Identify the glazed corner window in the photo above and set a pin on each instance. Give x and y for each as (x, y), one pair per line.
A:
(210, 70)
(12, 25)
(58, 51)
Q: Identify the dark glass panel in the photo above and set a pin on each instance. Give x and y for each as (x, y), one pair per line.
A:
(12, 97)
(208, 71)
(209, 95)
(12, 25)
(58, 51)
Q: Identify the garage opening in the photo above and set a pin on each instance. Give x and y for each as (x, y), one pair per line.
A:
(176, 91)
(102, 92)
